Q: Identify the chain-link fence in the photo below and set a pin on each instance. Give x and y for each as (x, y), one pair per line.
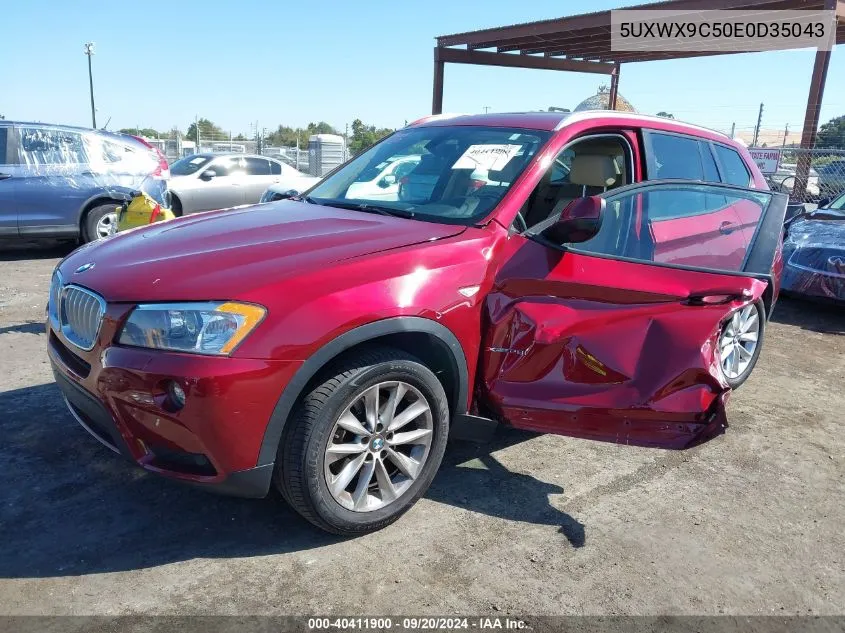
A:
(825, 169)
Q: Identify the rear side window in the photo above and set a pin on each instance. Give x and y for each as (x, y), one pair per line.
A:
(257, 167)
(4, 136)
(687, 225)
(48, 146)
(673, 156)
(275, 168)
(734, 171)
(711, 172)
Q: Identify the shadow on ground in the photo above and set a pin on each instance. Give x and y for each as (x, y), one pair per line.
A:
(22, 249)
(30, 327)
(814, 316)
(72, 507)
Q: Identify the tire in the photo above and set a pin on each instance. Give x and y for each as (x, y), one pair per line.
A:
(97, 219)
(175, 205)
(726, 332)
(305, 468)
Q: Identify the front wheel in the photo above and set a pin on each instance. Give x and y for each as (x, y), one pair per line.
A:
(740, 342)
(365, 443)
(100, 222)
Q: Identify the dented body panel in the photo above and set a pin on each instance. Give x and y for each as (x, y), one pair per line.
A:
(607, 349)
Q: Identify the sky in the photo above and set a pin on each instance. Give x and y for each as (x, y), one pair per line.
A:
(161, 64)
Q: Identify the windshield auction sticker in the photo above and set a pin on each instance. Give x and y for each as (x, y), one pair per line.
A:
(490, 157)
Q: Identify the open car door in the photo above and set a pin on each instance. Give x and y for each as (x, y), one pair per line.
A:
(616, 338)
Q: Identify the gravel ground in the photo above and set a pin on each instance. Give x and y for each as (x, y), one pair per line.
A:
(750, 523)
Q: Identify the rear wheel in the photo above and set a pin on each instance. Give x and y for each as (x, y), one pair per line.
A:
(365, 443)
(175, 205)
(740, 342)
(100, 222)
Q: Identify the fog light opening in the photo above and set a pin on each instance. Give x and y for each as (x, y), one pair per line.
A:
(176, 395)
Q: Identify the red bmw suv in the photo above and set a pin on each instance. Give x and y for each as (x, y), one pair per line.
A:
(599, 275)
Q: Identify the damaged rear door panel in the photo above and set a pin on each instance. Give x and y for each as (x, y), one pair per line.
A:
(598, 340)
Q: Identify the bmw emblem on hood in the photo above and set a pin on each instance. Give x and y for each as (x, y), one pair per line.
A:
(84, 267)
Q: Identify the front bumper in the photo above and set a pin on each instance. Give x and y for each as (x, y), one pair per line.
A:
(118, 394)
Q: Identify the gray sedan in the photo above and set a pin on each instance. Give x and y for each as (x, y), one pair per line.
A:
(215, 181)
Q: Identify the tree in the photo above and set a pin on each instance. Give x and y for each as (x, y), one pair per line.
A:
(832, 134)
(146, 132)
(365, 135)
(665, 115)
(208, 131)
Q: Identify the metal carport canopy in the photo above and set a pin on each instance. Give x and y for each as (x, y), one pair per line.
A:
(582, 43)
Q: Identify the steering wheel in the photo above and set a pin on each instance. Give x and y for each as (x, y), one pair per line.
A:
(520, 223)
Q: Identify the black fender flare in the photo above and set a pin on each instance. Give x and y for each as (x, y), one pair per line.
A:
(361, 334)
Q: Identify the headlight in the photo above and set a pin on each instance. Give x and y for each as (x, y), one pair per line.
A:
(199, 328)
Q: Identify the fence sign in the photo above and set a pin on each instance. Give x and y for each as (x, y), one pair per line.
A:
(768, 160)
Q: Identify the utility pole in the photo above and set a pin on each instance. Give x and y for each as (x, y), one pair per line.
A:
(89, 51)
(197, 128)
(486, 109)
(757, 129)
(785, 132)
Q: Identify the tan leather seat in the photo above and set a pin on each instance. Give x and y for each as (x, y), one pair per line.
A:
(589, 174)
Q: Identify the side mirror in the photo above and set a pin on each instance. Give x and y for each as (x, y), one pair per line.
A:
(823, 203)
(579, 221)
(388, 180)
(208, 174)
(290, 193)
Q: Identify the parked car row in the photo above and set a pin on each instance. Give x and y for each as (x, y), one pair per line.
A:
(69, 182)
(60, 181)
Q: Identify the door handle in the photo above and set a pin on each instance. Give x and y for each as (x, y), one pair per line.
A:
(5, 176)
(726, 228)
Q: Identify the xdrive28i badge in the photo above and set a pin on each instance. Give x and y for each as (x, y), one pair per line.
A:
(84, 267)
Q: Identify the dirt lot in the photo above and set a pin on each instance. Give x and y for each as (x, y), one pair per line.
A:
(750, 523)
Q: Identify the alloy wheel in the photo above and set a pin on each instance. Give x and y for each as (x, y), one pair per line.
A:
(378, 446)
(738, 341)
(107, 225)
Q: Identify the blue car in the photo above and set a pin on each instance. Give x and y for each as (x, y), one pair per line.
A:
(65, 182)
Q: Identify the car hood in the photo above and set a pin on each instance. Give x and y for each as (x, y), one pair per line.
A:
(226, 254)
(823, 228)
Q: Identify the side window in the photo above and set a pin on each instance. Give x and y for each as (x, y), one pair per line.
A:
(672, 156)
(587, 167)
(4, 143)
(223, 166)
(275, 168)
(734, 171)
(676, 224)
(561, 167)
(257, 166)
(48, 146)
(711, 172)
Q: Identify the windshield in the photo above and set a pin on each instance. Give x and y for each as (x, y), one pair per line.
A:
(838, 204)
(454, 175)
(189, 165)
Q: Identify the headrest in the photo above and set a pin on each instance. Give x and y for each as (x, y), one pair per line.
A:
(508, 172)
(593, 170)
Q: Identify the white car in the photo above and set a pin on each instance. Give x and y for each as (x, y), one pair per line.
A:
(383, 183)
(216, 181)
